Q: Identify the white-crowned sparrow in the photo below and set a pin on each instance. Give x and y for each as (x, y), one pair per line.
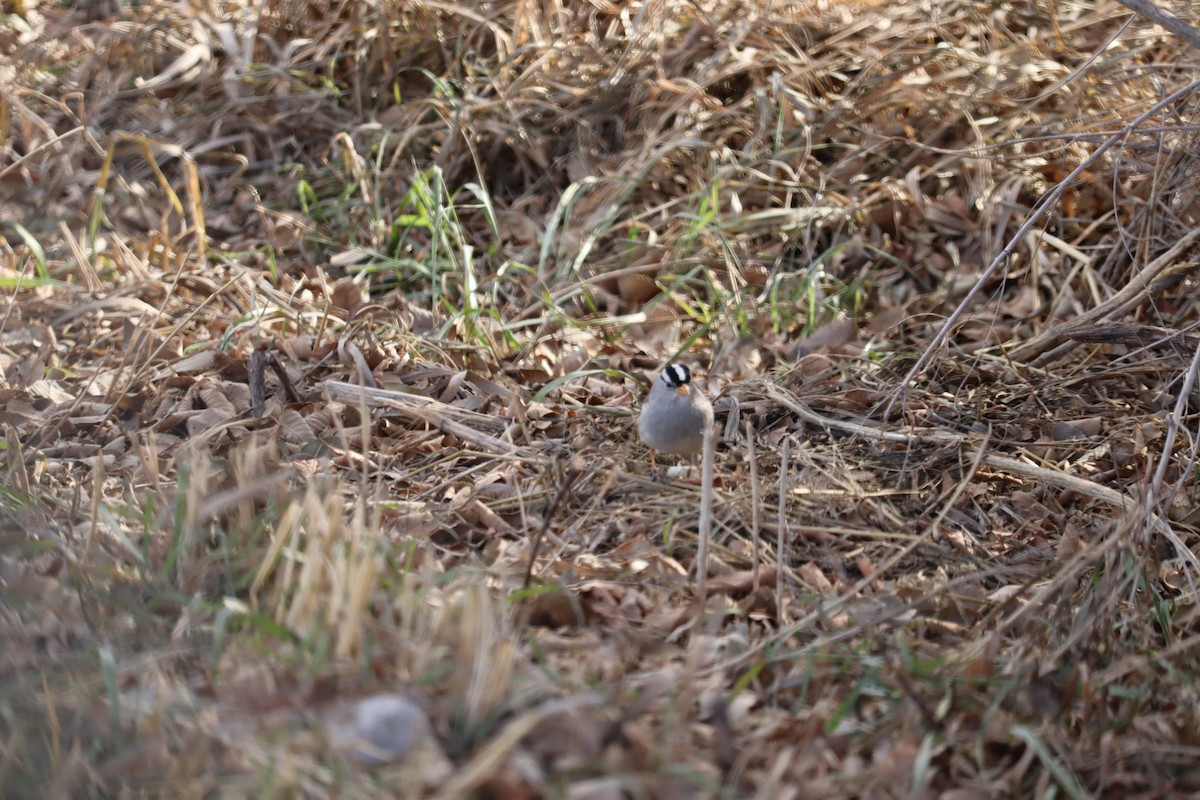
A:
(675, 415)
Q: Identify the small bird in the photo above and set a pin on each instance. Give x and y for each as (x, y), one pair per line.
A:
(675, 415)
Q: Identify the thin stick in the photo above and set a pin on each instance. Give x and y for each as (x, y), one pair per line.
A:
(1048, 344)
(1002, 463)
(755, 511)
(1155, 494)
(1035, 215)
(566, 479)
(781, 533)
(1168, 21)
(706, 498)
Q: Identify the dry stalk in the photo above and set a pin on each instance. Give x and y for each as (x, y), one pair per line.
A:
(781, 555)
(440, 415)
(1167, 20)
(706, 503)
(1035, 216)
(1010, 465)
(1049, 345)
(755, 511)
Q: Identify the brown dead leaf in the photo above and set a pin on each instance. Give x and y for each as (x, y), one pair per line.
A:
(742, 581)
(637, 289)
(812, 577)
(884, 321)
(483, 518)
(738, 359)
(1030, 509)
(659, 334)
(835, 337)
(518, 777)
(1063, 431)
(556, 609)
(568, 739)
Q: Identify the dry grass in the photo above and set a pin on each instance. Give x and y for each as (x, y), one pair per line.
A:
(323, 334)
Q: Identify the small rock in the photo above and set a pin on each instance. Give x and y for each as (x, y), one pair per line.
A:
(381, 729)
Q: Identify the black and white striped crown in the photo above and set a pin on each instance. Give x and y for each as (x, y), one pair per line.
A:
(676, 375)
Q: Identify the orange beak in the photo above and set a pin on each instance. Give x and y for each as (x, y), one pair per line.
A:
(683, 390)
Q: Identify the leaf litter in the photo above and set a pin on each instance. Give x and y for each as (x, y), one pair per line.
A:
(324, 335)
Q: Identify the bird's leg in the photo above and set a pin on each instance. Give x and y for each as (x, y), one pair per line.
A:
(654, 473)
